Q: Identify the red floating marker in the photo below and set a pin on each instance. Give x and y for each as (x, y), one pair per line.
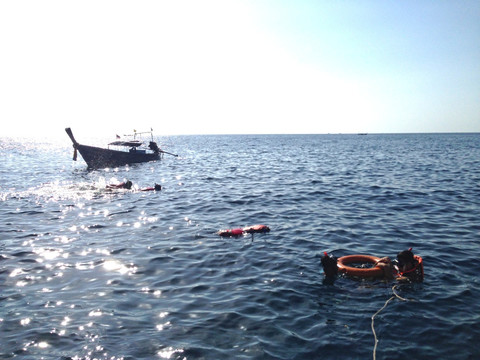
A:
(256, 229)
(246, 230)
(230, 232)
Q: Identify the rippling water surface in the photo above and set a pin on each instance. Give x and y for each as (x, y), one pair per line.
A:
(87, 273)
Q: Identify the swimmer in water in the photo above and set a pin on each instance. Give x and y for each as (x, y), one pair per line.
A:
(155, 188)
(329, 264)
(406, 268)
(123, 185)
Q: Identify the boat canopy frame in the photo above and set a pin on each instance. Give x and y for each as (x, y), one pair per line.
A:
(132, 143)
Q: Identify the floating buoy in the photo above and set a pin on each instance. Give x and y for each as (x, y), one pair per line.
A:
(230, 232)
(344, 261)
(256, 229)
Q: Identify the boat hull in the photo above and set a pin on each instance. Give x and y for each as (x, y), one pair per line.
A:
(96, 157)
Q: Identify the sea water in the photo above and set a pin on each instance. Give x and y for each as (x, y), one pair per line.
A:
(89, 273)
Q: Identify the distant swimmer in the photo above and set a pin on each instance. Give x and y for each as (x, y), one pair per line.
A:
(128, 185)
(157, 187)
(123, 185)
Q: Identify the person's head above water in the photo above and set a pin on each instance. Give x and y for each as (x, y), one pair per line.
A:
(406, 259)
(329, 264)
(157, 187)
(128, 184)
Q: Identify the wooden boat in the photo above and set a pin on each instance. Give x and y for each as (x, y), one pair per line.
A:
(133, 152)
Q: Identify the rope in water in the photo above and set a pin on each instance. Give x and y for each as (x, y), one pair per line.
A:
(395, 295)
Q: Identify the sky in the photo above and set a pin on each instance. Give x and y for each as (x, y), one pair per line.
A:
(239, 67)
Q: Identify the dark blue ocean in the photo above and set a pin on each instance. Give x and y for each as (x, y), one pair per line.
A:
(87, 273)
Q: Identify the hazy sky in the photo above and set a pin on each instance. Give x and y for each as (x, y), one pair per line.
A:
(259, 66)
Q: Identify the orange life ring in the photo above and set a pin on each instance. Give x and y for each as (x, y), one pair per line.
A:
(360, 272)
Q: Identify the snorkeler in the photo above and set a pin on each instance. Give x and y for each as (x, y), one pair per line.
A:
(123, 185)
(329, 264)
(128, 185)
(406, 268)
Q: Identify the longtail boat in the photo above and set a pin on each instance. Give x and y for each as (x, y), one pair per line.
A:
(133, 151)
